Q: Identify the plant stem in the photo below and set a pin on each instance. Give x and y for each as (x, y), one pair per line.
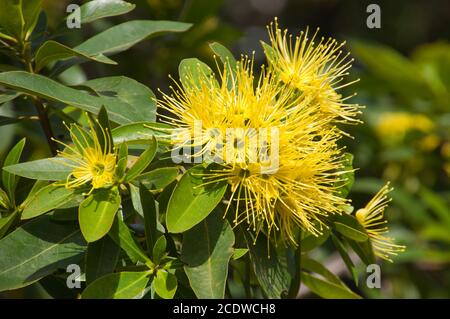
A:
(40, 108)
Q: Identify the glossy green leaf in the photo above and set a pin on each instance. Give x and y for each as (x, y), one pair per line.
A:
(98, 9)
(51, 169)
(122, 285)
(52, 51)
(150, 213)
(239, 253)
(141, 132)
(207, 249)
(309, 241)
(122, 160)
(327, 289)
(157, 179)
(6, 222)
(193, 72)
(121, 234)
(4, 200)
(224, 54)
(123, 36)
(96, 213)
(142, 162)
(165, 284)
(9, 179)
(101, 258)
(159, 249)
(127, 91)
(8, 96)
(18, 17)
(348, 226)
(191, 201)
(44, 87)
(46, 199)
(345, 257)
(228, 61)
(363, 249)
(37, 249)
(271, 272)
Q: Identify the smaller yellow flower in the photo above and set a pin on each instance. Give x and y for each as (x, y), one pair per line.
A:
(372, 219)
(92, 161)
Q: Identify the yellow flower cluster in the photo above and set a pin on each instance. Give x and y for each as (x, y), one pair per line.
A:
(296, 100)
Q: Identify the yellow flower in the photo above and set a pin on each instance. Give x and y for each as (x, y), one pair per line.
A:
(92, 158)
(315, 69)
(372, 219)
(296, 192)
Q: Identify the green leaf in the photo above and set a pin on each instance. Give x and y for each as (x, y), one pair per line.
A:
(159, 249)
(142, 162)
(363, 249)
(6, 222)
(102, 128)
(142, 132)
(309, 241)
(18, 17)
(8, 96)
(348, 226)
(227, 59)
(225, 55)
(4, 200)
(46, 199)
(122, 285)
(191, 201)
(165, 284)
(150, 214)
(96, 213)
(347, 179)
(345, 257)
(193, 69)
(101, 258)
(50, 169)
(269, 52)
(272, 274)
(44, 87)
(127, 91)
(120, 233)
(437, 204)
(9, 179)
(327, 289)
(312, 265)
(52, 51)
(98, 9)
(123, 36)
(122, 160)
(207, 249)
(157, 179)
(239, 253)
(36, 250)
(395, 70)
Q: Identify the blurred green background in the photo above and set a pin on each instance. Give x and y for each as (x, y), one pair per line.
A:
(404, 69)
